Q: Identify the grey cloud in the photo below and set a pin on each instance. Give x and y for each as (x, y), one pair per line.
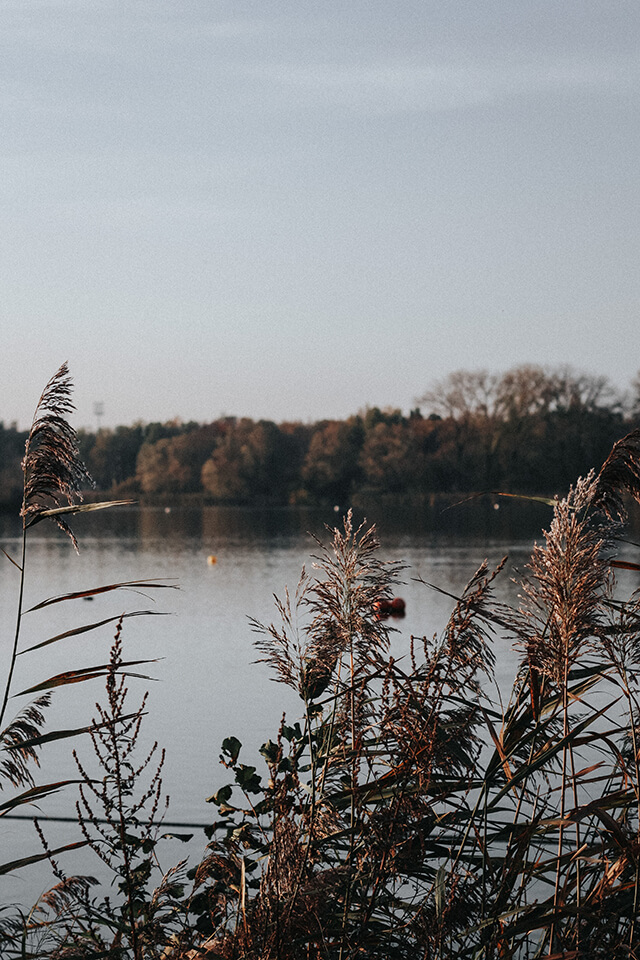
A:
(404, 86)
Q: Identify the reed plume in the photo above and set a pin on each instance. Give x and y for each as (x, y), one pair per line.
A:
(53, 470)
(16, 744)
(563, 595)
(619, 474)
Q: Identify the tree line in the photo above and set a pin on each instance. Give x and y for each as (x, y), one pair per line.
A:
(528, 430)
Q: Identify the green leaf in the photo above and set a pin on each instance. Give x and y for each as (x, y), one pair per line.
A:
(231, 746)
(269, 751)
(292, 733)
(547, 753)
(439, 890)
(222, 795)
(247, 779)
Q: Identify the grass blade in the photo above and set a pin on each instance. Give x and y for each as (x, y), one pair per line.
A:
(93, 626)
(11, 560)
(77, 508)
(136, 585)
(86, 673)
(39, 857)
(62, 734)
(34, 793)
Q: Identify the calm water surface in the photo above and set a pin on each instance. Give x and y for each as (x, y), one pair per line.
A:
(207, 684)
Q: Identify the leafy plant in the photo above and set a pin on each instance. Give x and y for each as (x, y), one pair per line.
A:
(120, 816)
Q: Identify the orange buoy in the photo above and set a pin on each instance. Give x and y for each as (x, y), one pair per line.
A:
(384, 607)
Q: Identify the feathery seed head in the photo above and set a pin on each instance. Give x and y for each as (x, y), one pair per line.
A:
(52, 468)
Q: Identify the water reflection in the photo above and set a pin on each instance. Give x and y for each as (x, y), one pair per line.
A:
(484, 518)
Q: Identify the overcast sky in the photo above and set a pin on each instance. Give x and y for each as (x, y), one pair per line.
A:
(293, 210)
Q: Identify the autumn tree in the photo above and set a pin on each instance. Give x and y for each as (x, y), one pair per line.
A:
(174, 464)
(253, 461)
(391, 458)
(528, 430)
(111, 455)
(462, 395)
(331, 468)
(467, 401)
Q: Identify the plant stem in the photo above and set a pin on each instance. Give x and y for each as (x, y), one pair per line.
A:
(14, 652)
(563, 788)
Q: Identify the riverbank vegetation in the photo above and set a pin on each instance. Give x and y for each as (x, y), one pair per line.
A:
(525, 431)
(412, 809)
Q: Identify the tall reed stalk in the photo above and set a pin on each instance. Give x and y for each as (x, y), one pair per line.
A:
(53, 473)
(54, 476)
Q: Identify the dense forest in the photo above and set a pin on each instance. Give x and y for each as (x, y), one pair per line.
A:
(528, 430)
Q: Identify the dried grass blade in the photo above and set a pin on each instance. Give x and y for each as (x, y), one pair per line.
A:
(86, 673)
(34, 793)
(65, 734)
(548, 752)
(94, 626)
(498, 745)
(547, 501)
(136, 585)
(11, 560)
(38, 857)
(78, 508)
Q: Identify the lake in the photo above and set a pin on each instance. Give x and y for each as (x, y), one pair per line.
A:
(207, 684)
